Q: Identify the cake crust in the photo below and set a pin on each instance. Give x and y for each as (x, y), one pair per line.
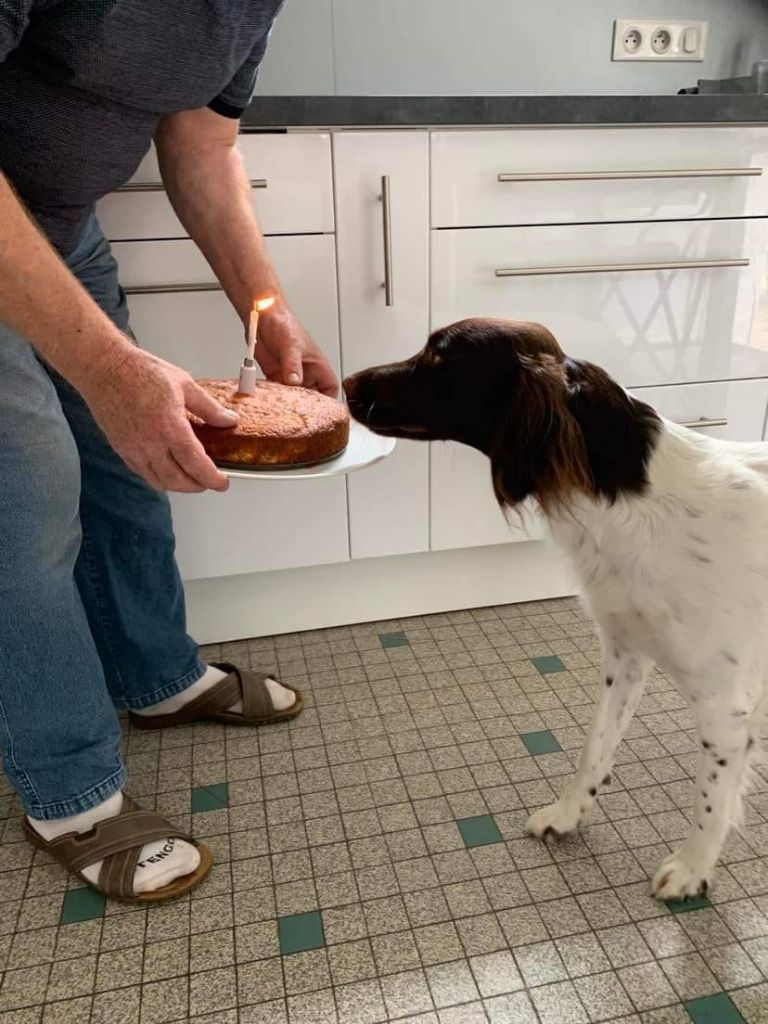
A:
(278, 426)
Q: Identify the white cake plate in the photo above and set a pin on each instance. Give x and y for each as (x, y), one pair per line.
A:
(364, 449)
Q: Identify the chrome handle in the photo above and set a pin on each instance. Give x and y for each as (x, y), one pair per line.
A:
(170, 289)
(386, 213)
(157, 186)
(693, 172)
(619, 268)
(704, 422)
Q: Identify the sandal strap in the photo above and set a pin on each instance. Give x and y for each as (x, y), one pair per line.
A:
(257, 700)
(239, 684)
(118, 842)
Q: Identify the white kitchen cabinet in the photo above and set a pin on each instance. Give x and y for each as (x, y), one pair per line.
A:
(652, 303)
(388, 504)
(464, 512)
(570, 175)
(731, 410)
(257, 525)
(199, 330)
(292, 192)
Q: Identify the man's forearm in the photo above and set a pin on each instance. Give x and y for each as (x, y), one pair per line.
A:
(45, 303)
(210, 192)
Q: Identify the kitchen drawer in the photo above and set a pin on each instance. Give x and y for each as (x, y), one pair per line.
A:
(732, 410)
(625, 175)
(199, 330)
(616, 294)
(292, 190)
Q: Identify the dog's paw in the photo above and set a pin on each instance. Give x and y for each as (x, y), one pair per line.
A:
(556, 819)
(681, 877)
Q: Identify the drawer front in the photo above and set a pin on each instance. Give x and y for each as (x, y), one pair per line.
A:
(562, 176)
(255, 526)
(651, 303)
(291, 188)
(732, 410)
(199, 330)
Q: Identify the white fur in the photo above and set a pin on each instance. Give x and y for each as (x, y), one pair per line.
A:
(678, 578)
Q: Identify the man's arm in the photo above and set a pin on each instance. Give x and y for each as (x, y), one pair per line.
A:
(138, 401)
(206, 182)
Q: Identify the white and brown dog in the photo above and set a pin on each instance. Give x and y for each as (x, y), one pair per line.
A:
(667, 530)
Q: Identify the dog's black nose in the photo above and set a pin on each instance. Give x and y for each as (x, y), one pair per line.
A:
(349, 384)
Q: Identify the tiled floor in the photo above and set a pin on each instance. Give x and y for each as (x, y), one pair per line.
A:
(371, 859)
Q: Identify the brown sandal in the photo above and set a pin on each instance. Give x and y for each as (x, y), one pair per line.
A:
(118, 841)
(213, 705)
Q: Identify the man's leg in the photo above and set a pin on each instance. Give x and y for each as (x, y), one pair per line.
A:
(127, 571)
(59, 733)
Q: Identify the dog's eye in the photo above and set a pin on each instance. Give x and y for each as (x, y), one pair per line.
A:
(430, 358)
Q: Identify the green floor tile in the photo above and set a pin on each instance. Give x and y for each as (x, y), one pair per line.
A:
(719, 1009)
(393, 640)
(82, 905)
(692, 903)
(479, 831)
(548, 663)
(299, 932)
(210, 798)
(543, 742)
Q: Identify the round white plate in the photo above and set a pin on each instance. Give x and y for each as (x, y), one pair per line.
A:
(364, 449)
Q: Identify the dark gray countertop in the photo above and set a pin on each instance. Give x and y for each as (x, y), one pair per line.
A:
(397, 111)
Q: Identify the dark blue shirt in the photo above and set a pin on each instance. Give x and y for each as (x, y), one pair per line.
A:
(84, 82)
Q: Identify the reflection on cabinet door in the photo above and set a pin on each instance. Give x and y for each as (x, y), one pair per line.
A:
(732, 410)
(199, 330)
(382, 224)
(653, 303)
(464, 512)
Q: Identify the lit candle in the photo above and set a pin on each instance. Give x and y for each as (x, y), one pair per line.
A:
(259, 306)
(247, 385)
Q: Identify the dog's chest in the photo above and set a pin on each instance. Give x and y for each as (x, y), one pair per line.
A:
(642, 594)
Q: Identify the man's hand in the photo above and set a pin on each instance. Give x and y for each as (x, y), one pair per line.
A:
(141, 405)
(287, 354)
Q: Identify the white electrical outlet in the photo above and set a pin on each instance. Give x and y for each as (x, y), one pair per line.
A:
(661, 39)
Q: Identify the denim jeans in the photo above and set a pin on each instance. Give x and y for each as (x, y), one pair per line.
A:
(91, 605)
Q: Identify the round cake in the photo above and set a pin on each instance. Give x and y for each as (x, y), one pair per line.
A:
(278, 426)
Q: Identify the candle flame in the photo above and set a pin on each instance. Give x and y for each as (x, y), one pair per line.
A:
(260, 305)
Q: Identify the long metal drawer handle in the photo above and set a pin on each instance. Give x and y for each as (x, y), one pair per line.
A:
(170, 289)
(618, 268)
(693, 172)
(704, 422)
(386, 213)
(157, 186)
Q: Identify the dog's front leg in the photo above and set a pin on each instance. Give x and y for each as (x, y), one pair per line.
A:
(623, 679)
(727, 736)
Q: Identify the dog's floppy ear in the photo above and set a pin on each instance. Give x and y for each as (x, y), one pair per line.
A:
(538, 448)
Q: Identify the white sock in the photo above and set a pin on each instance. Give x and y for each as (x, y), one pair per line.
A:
(159, 863)
(282, 697)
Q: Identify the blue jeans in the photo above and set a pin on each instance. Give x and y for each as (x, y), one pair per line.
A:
(91, 605)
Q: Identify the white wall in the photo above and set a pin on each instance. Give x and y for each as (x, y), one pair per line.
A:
(443, 47)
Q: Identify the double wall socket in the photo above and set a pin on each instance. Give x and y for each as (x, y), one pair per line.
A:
(662, 39)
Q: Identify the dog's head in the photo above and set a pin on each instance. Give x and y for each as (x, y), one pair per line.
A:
(551, 426)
